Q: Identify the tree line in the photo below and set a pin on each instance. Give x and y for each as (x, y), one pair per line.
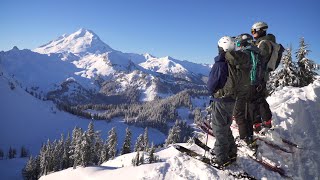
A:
(87, 148)
(297, 73)
(154, 114)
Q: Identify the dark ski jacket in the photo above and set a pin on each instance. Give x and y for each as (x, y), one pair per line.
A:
(265, 51)
(218, 85)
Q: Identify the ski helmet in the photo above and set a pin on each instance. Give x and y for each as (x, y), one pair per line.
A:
(243, 40)
(259, 26)
(226, 43)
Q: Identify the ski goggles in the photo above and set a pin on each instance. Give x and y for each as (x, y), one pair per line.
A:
(253, 31)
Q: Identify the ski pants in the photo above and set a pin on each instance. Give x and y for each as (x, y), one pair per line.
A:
(241, 115)
(259, 108)
(224, 146)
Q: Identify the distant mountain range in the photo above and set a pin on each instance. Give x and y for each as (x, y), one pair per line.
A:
(81, 68)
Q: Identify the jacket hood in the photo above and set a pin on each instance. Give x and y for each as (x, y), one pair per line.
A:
(220, 58)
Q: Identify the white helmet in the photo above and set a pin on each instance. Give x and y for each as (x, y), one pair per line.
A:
(259, 26)
(226, 43)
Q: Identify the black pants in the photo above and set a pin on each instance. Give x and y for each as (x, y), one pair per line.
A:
(241, 115)
(224, 146)
(259, 108)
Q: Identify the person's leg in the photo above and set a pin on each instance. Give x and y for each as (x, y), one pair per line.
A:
(221, 121)
(240, 117)
(266, 114)
(232, 146)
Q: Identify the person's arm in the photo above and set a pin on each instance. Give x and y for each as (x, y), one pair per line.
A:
(214, 78)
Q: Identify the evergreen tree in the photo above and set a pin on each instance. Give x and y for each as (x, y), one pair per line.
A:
(306, 66)
(98, 147)
(152, 158)
(23, 152)
(141, 160)
(136, 159)
(173, 136)
(31, 171)
(287, 75)
(85, 150)
(66, 162)
(139, 143)
(58, 151)
(12, 153)
(112, 143)
(91, 137)
(104, 154)
(76, 146)
(1, 154)
(45, 159)
(126, 148)
(145, 140)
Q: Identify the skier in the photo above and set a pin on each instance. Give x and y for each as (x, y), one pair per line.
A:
(221, 87)
(242, 61)
(259, 108)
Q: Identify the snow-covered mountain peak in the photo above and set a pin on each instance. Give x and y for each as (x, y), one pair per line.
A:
(148, 56)
(15, 48)
(80, 42)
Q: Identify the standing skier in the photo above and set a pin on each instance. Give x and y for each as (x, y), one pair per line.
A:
(221, 87)
(242, 61)
(259, 107)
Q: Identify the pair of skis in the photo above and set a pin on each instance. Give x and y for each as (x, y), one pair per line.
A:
(193, 154)
(239, 175)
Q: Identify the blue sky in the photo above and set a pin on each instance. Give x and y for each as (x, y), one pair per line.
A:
(183, 29)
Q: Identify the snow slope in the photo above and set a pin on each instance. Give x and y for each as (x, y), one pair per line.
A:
(295, 113)
(26, 120)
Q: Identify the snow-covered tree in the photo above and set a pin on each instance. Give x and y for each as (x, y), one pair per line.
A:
(141, 160)
(31, 169)
(306, 66)
(112, 143)
(152, 150)
(136, 159)
(286, 75)
(98, 147)
(104, 154)
(57, 153)
(76, 146)
(139, 143)
(66, 162)
(85, 151)
(145, 140)
(126, 148)
(45, 158)
(91, 137)
(173, 136)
